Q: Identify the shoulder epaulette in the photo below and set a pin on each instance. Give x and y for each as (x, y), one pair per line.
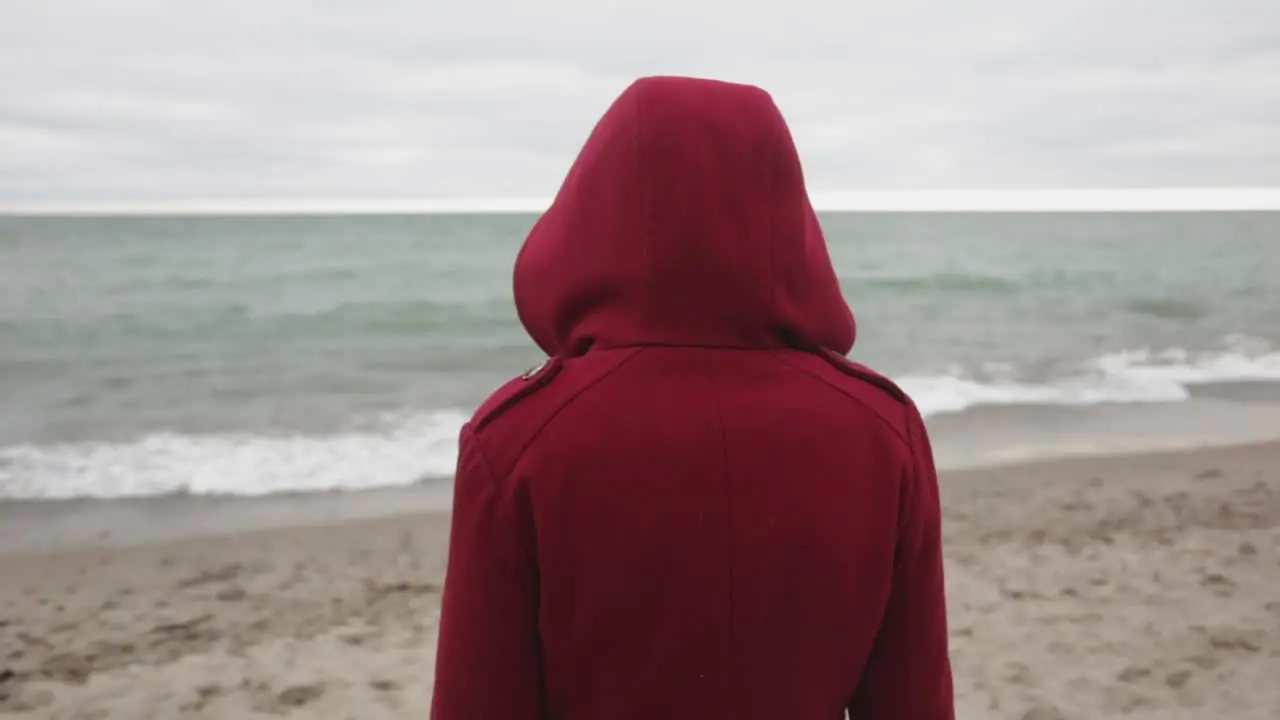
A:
(514, 391)
(866, 374)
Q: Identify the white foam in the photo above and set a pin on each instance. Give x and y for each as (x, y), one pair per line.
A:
(1134, 376)
(410, 448)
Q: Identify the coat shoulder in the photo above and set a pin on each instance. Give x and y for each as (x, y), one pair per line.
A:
(515, 415)
(868, 389)
(515, 391)
(861, 372)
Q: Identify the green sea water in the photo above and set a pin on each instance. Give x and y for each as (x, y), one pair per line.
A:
(247, 355)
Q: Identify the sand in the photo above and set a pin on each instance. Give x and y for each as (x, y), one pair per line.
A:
(1145, 586)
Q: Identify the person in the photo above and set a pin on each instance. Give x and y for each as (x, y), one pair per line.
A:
(697, 508)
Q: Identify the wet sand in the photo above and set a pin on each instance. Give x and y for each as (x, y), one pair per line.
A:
(1144, 586)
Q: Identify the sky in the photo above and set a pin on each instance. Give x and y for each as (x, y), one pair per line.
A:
(171, 101)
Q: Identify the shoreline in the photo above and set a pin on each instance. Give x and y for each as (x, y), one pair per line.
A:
(405, 447)
(59, 525)
(1144, 583)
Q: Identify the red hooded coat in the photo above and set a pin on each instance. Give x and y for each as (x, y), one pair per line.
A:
(698, 508)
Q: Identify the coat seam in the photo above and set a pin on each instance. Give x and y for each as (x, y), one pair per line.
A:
(900, 433)
(730, 670)
(542, 426)
(505, 494)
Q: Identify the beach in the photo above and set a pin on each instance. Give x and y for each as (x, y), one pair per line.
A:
(262, 263)
(226, 448)
(1142, 586)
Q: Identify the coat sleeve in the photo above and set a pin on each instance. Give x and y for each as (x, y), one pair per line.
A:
(908, 674)
(488, 662)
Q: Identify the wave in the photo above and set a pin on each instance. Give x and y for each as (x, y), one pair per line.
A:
(940, 282)
(1170, 308)
(391, 317)
(1131, 376)
(410, 447)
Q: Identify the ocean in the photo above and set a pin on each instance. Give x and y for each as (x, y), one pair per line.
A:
(248, 356)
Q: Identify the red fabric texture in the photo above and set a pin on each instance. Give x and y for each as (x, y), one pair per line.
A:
(698, 509)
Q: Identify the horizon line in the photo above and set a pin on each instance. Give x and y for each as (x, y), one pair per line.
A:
(1184, 199)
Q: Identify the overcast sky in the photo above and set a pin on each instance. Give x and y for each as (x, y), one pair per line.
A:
(164, 100)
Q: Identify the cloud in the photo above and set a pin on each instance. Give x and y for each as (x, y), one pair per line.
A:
(142, 100)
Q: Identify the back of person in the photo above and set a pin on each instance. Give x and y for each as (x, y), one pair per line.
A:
(698, 508)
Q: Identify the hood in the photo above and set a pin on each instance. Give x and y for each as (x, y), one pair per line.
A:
(684, 221)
